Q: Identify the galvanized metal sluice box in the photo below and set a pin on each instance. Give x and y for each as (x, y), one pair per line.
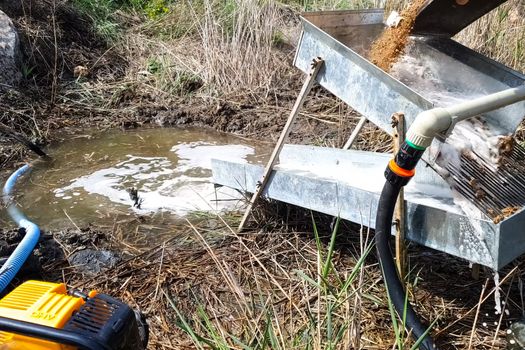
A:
(435, 71)
(348, 184)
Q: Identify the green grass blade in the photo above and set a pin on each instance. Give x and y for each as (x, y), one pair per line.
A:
(328, 262)
(422, 337)
(355, 271)
(218, 340)
(197, 340)
(308, 279)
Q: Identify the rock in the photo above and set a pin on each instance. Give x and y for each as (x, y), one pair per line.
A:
(93, 261)
(9, 52)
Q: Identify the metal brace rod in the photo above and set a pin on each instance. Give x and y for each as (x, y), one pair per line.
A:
(261, 185)
(355, 133)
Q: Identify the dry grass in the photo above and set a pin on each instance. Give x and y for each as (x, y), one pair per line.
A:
(229, 48)
(300, 288)
(238, 49)
(499, 35)
(274, 288)
(238, 42)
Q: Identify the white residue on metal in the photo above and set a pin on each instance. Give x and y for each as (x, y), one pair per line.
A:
(431, 196)
(422, 68)
(472, 213)
(471, 245)
(368, 177)
(364, 170)
(162, 185)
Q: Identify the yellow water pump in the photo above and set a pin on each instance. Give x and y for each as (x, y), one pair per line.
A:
(42, 315)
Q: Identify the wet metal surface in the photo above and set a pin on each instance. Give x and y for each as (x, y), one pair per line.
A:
(348, 184)
(497, 190)
(433, 71)
(352, 78)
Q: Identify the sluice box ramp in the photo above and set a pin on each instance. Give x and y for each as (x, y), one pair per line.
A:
(435, 71)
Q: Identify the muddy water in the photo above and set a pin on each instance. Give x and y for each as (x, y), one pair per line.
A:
(91, 176)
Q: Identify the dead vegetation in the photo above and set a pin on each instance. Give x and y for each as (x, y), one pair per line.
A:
(499, 35)
(282, 285)
(305, 287)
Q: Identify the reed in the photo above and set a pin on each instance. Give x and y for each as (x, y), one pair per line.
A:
(237, 38)
(499, 35)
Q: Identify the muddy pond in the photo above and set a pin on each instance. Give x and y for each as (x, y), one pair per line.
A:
(102, 178)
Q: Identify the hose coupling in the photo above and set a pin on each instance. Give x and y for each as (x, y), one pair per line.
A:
(402, 168)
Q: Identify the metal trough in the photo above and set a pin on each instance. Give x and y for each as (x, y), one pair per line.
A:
(351, 181)
(442, 73)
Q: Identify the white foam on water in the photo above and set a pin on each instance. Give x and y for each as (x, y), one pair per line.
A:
(163, 186)
(199, 154)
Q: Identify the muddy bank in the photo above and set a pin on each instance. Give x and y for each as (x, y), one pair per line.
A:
(324, 121)
(82, 80)
(56, 38)
(89, 250)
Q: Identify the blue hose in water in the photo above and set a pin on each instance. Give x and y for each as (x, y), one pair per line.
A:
(13, 264)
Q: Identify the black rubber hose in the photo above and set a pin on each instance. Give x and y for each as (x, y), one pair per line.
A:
(23, 140)
(385, 213)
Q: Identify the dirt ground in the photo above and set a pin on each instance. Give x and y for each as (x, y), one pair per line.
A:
(183, 274)
(207, 265)
(50, 99)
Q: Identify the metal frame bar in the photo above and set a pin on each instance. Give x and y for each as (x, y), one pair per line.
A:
(307, 86)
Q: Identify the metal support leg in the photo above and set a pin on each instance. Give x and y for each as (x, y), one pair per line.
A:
(356, 132)
(307, 86)
(398, 122)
